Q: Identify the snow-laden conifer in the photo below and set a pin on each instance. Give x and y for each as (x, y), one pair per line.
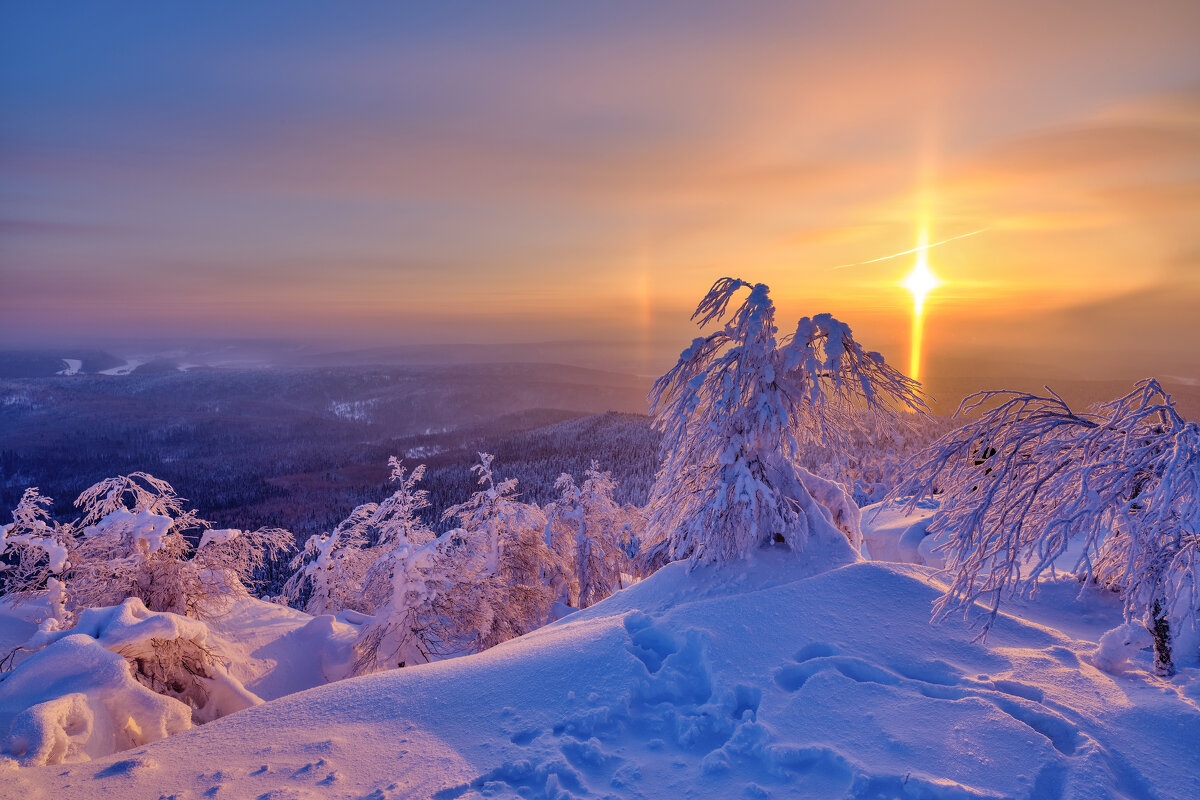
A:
(594, 524)
(331, 571)
(411, 589)
(736, 413)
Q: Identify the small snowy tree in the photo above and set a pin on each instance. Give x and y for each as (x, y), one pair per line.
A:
(595, 524)
(431, 607)
(736, 412)
(328, 571)
(235, 557)
(411, 587)
(37, 548)
(1031, 476)
(131, 542)
(513, 597)
(331, 571)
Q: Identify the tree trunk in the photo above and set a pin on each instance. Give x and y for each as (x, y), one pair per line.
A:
(1163, 665)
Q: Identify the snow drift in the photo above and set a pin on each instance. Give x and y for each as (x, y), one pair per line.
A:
(754, 679)
(125, 676)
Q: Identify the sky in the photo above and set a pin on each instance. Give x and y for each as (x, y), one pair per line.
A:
(412, 173)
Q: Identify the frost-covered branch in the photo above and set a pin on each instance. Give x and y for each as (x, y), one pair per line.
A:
(1031, 476)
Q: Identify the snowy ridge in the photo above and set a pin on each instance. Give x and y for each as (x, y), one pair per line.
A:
(748, 680)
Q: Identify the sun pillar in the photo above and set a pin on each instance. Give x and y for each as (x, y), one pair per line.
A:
(920, 281)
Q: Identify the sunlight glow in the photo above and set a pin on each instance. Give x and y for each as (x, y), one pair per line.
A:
(920, 281)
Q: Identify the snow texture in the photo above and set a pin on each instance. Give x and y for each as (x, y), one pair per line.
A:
(710, 684)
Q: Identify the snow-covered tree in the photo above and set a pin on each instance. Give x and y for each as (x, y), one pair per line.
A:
(130, 542)
(736, 413)
(429, 598)
(136, 492)
(328, 571)
(595, 524)
(411, 589)
(513, 598)
(331, 571)
(1031, 477)
(37, 548)
(237, 556)
(431, 604)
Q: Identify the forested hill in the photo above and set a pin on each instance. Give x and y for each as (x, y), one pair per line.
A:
(299, 447)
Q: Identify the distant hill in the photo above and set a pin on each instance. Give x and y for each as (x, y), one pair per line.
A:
(300, 447)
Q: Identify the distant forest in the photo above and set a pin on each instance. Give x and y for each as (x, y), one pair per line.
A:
(299, 448)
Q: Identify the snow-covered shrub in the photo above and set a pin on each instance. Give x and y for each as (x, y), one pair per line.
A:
(738, 411)
(1031, 476)
(1118, 646)
(121, 677)
(131, 541)
(426, 598)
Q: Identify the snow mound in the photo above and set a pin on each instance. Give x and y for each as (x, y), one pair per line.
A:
(754, 679)
(893, 534)
(275, 650)
(122, 677)
(75, 700)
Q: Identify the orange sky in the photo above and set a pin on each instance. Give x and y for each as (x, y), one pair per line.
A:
(557, 173)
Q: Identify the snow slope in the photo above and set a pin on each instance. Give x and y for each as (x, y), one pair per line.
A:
(749, 680)
(275, 650)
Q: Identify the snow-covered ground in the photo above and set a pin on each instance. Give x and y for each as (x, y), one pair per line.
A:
(354, 410)
(755, 679)
(131, 363)
(72, 367)
(893, 532)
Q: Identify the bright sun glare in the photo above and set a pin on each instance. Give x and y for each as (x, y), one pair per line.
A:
(920, 281)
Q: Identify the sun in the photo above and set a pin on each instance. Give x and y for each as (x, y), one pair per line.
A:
(920, 281)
